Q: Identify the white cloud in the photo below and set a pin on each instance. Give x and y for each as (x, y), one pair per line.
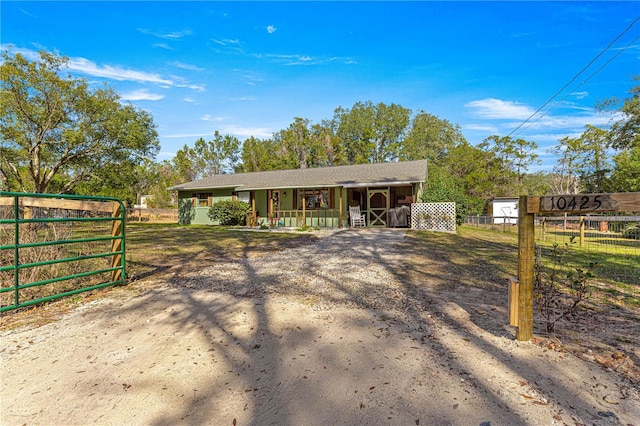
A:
(271, 29)
(188, 67)
(580, 95)
(208, 117)
(496, 116)
(88, 67)
(245, 132)
(544, 138)
(292, 59)
(28, 13)
(492, 108)
(27, 53)
(481, 128)
(196, 87)
(190, 100)
(226, 41)
(174, 35)
(141, 95)
(572, 122)
(162, 46)
(243, 99)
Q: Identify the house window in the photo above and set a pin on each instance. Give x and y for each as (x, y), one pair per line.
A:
(315, 199)
(203, 198)
(244, 196)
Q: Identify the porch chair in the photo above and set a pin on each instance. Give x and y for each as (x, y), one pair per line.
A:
(357, 218)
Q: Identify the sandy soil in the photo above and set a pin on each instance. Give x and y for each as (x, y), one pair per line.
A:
(333, 333)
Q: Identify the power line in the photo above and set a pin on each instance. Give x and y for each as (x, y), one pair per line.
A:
(580, 84)
(575, 76)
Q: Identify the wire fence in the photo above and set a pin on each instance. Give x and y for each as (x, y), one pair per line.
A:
(501, 223)
(591, 260)
(152, 215)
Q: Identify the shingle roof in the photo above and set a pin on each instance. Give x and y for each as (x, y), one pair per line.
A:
(349, 176)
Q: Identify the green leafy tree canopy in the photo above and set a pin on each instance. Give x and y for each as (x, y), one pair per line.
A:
(56, 132)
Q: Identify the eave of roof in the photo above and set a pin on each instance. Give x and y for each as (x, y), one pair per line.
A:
(347, 176)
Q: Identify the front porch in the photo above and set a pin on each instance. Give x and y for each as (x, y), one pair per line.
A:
(377, 203)
(316, 197)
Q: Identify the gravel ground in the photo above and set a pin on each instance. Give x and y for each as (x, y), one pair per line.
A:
(334, 332)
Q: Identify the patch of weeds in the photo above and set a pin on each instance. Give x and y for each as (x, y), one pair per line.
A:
(74, 300)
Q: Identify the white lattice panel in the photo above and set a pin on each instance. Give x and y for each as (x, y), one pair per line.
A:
(434, 216)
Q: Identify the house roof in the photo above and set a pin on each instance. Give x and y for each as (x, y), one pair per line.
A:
(359, 175)
(509, 199)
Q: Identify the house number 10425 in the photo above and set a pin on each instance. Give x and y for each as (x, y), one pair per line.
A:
(579, 202)
(584, 203)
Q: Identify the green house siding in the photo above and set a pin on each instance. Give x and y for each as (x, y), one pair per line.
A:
(192, 211)
(290, 205)
(387, 183)
(188, 214)
(286, 199)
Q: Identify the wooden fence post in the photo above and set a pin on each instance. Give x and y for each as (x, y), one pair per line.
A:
(526, 257)
(116, 244)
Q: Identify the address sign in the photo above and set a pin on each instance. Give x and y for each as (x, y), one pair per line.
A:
(584, 203)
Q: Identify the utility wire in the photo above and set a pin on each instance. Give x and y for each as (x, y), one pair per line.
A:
(576, 87)
(575, 76)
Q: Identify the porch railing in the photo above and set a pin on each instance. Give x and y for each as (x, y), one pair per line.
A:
(315, 218)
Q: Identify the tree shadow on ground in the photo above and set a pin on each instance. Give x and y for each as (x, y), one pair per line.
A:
(445, 301)
(411, 309)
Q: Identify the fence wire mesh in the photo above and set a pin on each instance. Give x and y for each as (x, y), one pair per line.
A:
(584, 264)
(590, 262)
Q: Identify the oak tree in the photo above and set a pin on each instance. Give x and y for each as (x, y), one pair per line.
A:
(56, 132)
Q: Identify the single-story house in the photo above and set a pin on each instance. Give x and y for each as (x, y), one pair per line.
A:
(503, 210)
(315, 197)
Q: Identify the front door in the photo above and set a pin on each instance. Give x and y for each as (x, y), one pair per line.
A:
(377, 206)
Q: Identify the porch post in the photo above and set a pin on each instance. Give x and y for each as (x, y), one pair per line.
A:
(304, 210)
(340, 208)
(253, 203)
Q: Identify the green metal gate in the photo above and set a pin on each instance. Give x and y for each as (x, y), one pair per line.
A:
(53, 245)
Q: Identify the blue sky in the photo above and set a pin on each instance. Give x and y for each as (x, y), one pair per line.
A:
(249, 68)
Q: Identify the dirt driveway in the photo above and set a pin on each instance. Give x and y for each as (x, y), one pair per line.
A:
(335, 332)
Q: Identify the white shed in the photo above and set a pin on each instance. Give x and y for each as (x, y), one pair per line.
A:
(504, 210)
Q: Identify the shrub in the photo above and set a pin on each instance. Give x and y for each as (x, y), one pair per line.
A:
(229, 212)
(560, 288)
(631, 231)
(442, 187)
